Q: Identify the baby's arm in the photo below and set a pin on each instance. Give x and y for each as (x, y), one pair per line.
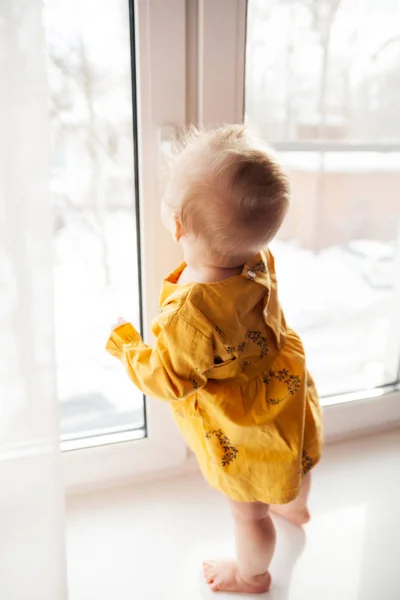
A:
(174, 367)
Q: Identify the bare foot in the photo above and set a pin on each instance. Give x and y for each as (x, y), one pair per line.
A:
(223, 576)
(298, 515)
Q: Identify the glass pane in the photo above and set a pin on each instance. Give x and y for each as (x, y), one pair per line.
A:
(93, 194)
(338, 262)
(324, 69)
(328, 70)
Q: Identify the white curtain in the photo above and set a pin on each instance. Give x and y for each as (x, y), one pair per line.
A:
(32, 545)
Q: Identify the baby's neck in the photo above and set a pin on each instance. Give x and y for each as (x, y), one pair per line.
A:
(194, 273)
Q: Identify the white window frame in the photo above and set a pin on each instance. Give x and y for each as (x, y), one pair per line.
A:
(160, 36)
(191, 69)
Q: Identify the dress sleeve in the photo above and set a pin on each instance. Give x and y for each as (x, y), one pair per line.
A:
(174, 368)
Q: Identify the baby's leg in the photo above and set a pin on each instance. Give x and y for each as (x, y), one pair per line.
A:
(255, 545)
(297, 511)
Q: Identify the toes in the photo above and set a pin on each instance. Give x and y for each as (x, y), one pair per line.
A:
(214, 587)
(208, 573)
(208, 567)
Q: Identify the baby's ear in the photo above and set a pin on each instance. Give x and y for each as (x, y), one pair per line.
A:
(178, 232)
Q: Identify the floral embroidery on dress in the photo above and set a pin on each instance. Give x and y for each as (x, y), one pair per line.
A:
(219, 330)
(195, 384)
(307, 462)
(260, 267)
(252, 271)
(274, 401)
(230, 349)
(242, 347)
(293, 382)
(230, 452)
(258, 338)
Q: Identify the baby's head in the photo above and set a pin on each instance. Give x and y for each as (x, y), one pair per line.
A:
(226, 196)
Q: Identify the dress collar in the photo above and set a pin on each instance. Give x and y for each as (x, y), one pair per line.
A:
(256, 269)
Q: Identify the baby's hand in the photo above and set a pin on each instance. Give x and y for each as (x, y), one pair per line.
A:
(119, 322)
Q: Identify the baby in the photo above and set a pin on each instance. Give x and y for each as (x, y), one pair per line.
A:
(233, 372)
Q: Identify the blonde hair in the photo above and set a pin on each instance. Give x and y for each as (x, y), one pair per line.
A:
(227, 188)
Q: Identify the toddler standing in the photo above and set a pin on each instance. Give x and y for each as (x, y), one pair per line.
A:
(233, 372)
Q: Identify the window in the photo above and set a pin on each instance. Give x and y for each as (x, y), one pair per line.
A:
(116, 51)
(199, 76)
(323, 86)
(95, 210)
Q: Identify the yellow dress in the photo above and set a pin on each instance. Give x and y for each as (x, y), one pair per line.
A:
(236, 378)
